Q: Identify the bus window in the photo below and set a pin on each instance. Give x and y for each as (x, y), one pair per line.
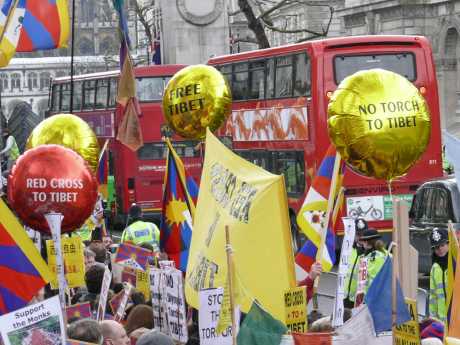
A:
(291, 165)
(102, 93)
(240, 81)
(302, 81)
(89, 92)
(283, 85)
(257, 80)
(226, 70)
(65, 97)
(150, 89)
(403, 64)
(158, 150)
(56, 95)
(271, 78)
(113, 92)
(77, 95)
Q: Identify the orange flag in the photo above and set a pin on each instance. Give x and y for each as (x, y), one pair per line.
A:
(127, 82)
(454, 326)
(129, 131)
(312, 338)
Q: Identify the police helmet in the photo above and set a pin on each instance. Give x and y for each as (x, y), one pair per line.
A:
(135, 211)
(361, 225)
(438, 237)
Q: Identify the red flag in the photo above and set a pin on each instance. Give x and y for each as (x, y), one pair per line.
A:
(312, 338)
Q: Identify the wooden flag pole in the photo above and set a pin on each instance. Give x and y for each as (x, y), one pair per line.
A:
(330, 205)
(450, 227)
(228, 249)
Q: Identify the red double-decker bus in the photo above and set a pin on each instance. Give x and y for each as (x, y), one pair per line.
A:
(279, 118)
(138, 176)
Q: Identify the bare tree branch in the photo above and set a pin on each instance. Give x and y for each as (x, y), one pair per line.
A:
(254, 24)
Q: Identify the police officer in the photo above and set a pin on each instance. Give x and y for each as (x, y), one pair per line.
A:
(11, 148)
(138, 231)
(374, 252)
(351, 279)
(438, 276)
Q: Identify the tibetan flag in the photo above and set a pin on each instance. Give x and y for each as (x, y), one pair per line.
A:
(379, 300)
(178, 210)
(46, 25)
(132, 256)
(313, 213)
(11, 21)
(82, 310)
(20, 263)
(103, 170)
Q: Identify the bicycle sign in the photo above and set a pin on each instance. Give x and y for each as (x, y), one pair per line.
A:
(370, 207)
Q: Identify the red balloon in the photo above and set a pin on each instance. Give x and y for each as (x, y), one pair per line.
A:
(52, 178)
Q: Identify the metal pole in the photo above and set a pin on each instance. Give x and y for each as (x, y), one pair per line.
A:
(72, 53)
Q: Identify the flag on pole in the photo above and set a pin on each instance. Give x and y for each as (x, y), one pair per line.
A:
(454, 306)
(20, 262)
(379, 300)
(11, 21)
(129, 130)
(451, 274)
(156, 51)
(313, 214)
(132, 256)
(178, 210)
(46, 25)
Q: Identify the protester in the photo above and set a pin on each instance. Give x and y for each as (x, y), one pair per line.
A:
(140, 316)
(351, 282)
(315, 271)
(90, 258)
(138, 231)
(93, 279)
(85, 330)
(374, 252)
(114, 333)
(321, 325)
(155, 338)
(102, 255)
(438, 276)
(11, 149)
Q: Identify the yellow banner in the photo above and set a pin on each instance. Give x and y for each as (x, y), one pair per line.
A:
(253, 204)
(74, 262)
(143, 283)
(295, 302)
(409, 332)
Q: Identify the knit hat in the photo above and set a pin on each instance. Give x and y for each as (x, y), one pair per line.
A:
(155, 337)
(434, 330)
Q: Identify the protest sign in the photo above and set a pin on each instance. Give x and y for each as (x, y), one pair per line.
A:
(362, 280)
(159, 310)
(358, 330)
(36, 324)
(115, 301)
(142, 282)
(347, 246)
(74, 262)
(167, 264)
(253, 204)
(128, 275)
(295, 303)
(132, 256)
(120, 313)
(103, 295)
(175, 304)
(210, 305)
(81, 310)
(408, 333)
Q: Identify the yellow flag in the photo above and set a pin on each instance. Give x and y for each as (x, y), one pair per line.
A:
(10, 30)
(454, 326)
(452, 257)
(253, 203)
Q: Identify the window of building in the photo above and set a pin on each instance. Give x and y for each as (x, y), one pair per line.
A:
(32, 81)
(45, 80)
(3, 81)
(15, 81)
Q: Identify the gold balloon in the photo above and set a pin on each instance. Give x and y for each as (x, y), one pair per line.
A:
(196, 97)
(379, 123)
(70, 131)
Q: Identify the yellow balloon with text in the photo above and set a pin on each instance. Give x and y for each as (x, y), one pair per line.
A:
(195, 98)
(379, 122)
(69, 131)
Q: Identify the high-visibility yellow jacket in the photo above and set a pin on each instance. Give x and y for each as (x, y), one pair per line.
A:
(351, 281)
(142, 232)
(438, 288)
